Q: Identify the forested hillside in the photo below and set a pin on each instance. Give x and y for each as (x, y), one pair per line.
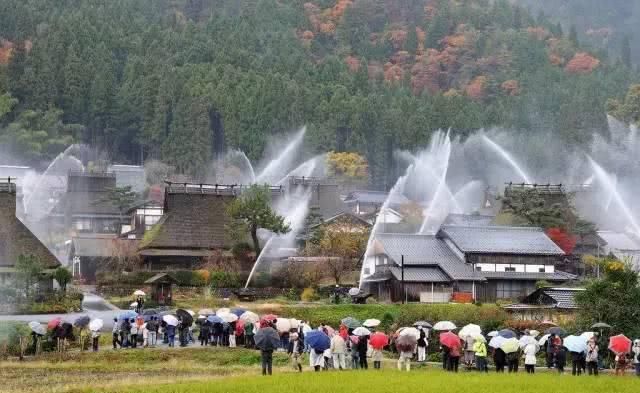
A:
(180, 80)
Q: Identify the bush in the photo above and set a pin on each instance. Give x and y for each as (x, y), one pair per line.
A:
(223, 279)
(309, 295)
(56, 303)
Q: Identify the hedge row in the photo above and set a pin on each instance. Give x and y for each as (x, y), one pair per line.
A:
(185, 278)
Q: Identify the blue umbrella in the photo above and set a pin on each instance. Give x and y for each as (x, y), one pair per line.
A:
(129, 314)
(238, 311)
(214, 319)
(507, 333)
(576, 344)
(317, 340)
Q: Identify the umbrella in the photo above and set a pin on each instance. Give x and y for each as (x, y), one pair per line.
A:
(409, 331)
(548, 323)
(185, 316)
(361, 331)
(543, 339)
(214, 319)
(133, 305)
(317, 340)
(267, 338)
(295, 324)
(191, 312)
(423, 324)
(526, 340)
(37, 328)
(379, 340)
(406, 343)
(371, 323)
(150, 311)
(587, 335)
(351, 323)
(469, 330)
(576, 344)
(510, 345)
(223, 310)
(127, 315)
(139, 293)
(228, 318)
(54, 323)
(449, 339)
(479, 337)
(507, 333)
(493, 333)
(96, 324)
(600, 325)
(206, 312)
(240, 327)
(534, 333)
(238, 311)
(620, 344)
(82, 321)
(444, 325)
(269, 318)
(283, 325)
(354, 291)
(170, 320)
(557, 331)
(497, 341)
(249, 316)
(306, 328)
(330, 331)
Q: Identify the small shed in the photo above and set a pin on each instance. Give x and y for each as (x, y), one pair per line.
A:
(162, 288)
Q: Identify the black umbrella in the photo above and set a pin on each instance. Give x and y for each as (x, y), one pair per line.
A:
(82, 322)
(267, 339)
(184, 315)
(150, 311)
(557, 331)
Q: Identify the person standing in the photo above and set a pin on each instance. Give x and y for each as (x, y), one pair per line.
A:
(469, 354)
(454, 358)
(376, 356)
(513, 361)
(551, 351)
(530, 359)
(295, 351)
(499, 359)
(217, 334)
(621, 363)
(422, 346)
(405, 360)
(95, 340)
(316, 358)
(445, 357)
(592, 357)
(152, 335)
(338, 352)
(232, 335)
(561, 359)
(248, 335)
(362, 348)
(576, 363)
(133, 334)
(205, 333)
(636, 356)
(115, 333)
(480, 351)
(170, 331)
(125, 331)
(355, 355)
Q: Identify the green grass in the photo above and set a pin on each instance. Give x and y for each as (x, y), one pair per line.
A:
(393, 381)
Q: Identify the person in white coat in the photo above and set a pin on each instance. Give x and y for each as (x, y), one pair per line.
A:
(338, 351)
(316, 359)
(530, 360)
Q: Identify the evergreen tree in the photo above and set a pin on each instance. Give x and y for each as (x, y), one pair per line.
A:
(411, 44)
(573, 35)
(626, 51)
(74, 92)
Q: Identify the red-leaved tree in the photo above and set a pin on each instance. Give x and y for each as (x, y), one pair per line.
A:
(564, 240)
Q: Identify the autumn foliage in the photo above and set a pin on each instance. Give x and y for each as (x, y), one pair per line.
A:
(348, 165)
(5, 51)
(476, 89)
(562, 239)
(582, 63)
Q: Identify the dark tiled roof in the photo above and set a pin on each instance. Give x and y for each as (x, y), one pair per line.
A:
(468, 220)
(557, 276)
(161, 278)
(564, 297)
(425, 250)
(348, 216)
(501, 240)
(373, 197)
(561, 298)
(420, 274)
(93, 245)
(191, 221)
(90, 203)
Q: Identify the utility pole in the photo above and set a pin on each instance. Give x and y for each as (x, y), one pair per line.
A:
(404, 291)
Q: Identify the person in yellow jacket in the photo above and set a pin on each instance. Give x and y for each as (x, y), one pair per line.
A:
(480, 350)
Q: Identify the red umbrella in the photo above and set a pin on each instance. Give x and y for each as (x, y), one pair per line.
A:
(239, 327)
(620, 344)
(449, 339)
(54, 323)
(268, 319)
(378, 340)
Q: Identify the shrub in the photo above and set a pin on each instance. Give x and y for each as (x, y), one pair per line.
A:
(308, 295)
(223, 279)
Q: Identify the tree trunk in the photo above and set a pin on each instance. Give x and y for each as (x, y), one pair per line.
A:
(256, 242)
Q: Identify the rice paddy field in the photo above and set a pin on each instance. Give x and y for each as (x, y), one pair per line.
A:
(197, 370)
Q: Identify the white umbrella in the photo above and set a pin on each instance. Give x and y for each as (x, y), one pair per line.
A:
(526, 340)
(361, 331)
(170, 320)
(283, 325)
(250, 317)
(354, 291)
(139, 293)
(469, 330)
(295, 324)
(228, 317)
(191, 312)
(206, 312)
(497, 341)
(202, 317)
(96, 324)
(37, 328)
(409, 331)
(371, 323)
(493, 333)
(223, 310)
(133, 305)
(587, 335)
(543, 339)
(444, 325)
(534, 333)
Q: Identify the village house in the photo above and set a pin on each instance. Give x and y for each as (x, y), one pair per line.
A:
(17, 240)
(370, 202)
(546, 304)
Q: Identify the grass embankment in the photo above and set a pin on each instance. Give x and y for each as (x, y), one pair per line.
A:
(393, 381)
(112, 368)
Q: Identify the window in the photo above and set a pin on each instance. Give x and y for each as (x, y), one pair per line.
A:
(82, 224)
(478, 268)
(150, 220)
(541, 270)
(509, 269)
